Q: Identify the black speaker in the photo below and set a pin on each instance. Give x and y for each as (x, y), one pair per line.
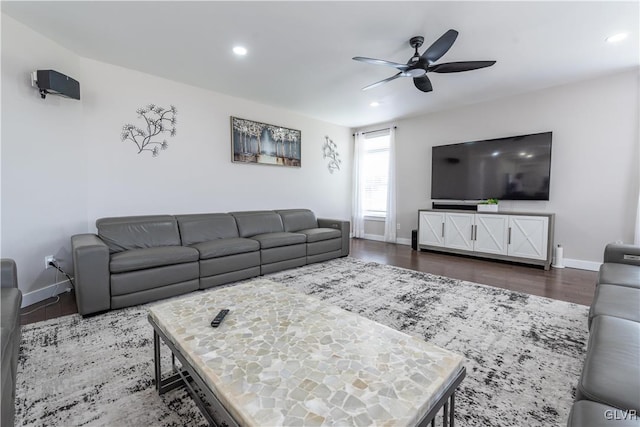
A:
(51, 81)
(414, 240)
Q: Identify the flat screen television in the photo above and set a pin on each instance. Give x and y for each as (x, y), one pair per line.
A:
(513, 168)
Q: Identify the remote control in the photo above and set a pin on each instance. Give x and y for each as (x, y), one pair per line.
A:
(218, 319)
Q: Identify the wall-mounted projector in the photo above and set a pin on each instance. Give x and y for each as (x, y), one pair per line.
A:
(55, 83)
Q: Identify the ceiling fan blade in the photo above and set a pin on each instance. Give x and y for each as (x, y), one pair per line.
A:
(395, 65)
(371, 86)
(423, 83)
(440, 46)
(456, 67)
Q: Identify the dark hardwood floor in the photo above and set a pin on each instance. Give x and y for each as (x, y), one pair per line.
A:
(564, 284)
(49, 309)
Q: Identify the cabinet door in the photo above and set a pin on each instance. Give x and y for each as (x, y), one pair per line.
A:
(528, 236)
(491, 234)
(457, 231)
(431, 228)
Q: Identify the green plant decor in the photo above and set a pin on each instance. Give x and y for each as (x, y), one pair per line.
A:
(489, 202)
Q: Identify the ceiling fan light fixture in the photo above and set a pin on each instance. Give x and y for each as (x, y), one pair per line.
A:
(240, 50)
(415, 72)
(419, 66)
(617, 37)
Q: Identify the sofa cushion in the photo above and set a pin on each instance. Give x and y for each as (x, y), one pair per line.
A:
(152, 280)
(8, 341)
(205, 227)
(10, 300)
(616, 301)
(592, 414)
(298, 219)
(223, 265)
(139, 259)
(251, 223)
(319, 234)
(274, 240)
(138, 232)
(324, 246)
(619, 274)
(612, 366)
(225, 247)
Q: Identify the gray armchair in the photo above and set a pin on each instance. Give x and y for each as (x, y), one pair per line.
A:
(10, 300)
(621, 266)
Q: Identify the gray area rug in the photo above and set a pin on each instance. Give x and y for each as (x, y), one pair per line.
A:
(524, 353)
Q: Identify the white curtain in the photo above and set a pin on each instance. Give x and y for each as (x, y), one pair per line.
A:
(390, 221)
(636, 240)
(358, 187)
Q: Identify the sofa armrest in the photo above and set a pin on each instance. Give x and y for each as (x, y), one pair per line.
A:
(343, 226)
(91, 273)
(8, 273)
(622, 254)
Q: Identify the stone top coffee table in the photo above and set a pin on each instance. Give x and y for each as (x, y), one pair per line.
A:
(285, 358)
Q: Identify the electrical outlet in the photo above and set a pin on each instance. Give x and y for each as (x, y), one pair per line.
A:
(398, 226)
(47, 260)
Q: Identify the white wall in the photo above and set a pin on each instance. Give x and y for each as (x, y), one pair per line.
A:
(594, 171)
(74, 147)
(44, 189)
(195, 174)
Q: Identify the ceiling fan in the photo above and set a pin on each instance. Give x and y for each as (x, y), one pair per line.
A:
(419, 65)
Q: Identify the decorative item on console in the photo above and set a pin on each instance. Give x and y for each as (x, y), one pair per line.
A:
(490, 205)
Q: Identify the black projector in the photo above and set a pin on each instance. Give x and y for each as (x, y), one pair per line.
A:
(53, 82)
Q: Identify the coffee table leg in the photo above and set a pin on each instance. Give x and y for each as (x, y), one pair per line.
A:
(445, 413)
(156, 359)
(177, 379)
(452, 409)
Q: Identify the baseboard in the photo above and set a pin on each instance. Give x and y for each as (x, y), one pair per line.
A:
(570, 263)
(582, 265)
(375, 237)
(42, 294)
(378, 238)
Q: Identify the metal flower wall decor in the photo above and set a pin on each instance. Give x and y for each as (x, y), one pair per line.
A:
(330, 151)
(158, 120)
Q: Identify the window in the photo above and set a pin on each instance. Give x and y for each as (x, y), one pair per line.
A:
(375, 173)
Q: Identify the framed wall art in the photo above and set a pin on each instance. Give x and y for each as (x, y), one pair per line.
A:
(265, 144)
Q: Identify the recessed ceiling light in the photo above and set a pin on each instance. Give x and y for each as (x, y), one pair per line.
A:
(239, 50)
(374, 104)
(617, 37)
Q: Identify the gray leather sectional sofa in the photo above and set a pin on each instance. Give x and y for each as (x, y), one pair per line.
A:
(10, 299)
(133, 260)
(608, 392)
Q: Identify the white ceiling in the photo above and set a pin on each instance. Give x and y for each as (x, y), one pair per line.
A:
(300, 52)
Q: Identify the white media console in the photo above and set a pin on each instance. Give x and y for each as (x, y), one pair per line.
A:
(510, 236)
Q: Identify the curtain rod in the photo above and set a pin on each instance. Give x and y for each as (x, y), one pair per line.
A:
(372, 131)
